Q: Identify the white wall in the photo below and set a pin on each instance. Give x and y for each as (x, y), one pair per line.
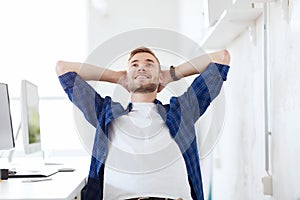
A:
(285, 103)
(240, 152)
(123, 16)
(192, 22)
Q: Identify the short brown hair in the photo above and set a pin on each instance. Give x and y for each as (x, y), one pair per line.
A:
(142, 50)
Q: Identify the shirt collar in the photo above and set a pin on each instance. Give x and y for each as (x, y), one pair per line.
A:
(129, 106)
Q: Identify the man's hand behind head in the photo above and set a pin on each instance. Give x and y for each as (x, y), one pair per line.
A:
(123, 79)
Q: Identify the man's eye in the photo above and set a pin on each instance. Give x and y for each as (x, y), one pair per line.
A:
(149, 65)
(134, 65)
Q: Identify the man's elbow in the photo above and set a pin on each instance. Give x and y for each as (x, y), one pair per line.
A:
(226, 57)
(60, 68)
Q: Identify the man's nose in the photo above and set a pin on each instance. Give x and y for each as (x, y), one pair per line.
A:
(141, 68)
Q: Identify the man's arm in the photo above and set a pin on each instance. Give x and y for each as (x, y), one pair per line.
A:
(195, 66)
(200, 63)
(89, 72)
(74, 76)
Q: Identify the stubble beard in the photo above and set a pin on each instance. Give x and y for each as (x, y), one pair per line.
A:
(146, 88)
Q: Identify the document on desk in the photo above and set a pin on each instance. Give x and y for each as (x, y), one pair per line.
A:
(36, 180)
(39, 173)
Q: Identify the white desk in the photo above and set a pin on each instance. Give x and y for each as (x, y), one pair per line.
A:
(63, 186)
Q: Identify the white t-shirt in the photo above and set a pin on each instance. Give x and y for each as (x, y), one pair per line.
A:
(143, 159)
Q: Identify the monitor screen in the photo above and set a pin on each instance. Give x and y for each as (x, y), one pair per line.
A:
(6, 129)
(30, 117)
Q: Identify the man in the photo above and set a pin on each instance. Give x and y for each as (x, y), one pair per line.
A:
(174, 170)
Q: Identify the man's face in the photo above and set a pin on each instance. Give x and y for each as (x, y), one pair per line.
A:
(143, 73)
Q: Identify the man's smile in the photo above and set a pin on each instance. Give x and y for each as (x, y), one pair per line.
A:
(142, 76)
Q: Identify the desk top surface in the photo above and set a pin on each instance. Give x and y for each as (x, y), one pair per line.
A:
(63, 185)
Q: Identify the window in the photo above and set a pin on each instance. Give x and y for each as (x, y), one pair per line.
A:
(34, 36)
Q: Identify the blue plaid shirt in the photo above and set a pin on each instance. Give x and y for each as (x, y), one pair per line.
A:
(179, 115)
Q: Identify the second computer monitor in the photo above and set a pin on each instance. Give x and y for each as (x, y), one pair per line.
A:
(6, 128)
(30, 117)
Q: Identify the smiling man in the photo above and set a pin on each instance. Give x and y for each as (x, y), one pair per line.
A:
(146, 128)
(143, 73)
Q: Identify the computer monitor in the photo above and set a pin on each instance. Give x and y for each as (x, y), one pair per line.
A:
(6, 128)
(30, 121)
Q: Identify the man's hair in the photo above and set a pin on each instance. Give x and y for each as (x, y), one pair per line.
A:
(142, 50)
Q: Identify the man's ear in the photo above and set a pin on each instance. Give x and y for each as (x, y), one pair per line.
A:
(161, 77)
(160, 82)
